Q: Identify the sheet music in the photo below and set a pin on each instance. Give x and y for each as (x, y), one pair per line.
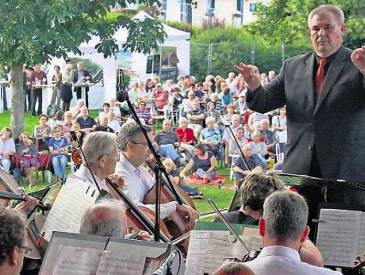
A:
(207, 250)
(77, 261)
(70, 205)
(121, 263)
(338, 236)
(361, 249)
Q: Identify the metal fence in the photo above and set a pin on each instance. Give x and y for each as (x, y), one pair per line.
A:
(220, 58)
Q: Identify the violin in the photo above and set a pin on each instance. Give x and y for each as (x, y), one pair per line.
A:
(9, 184)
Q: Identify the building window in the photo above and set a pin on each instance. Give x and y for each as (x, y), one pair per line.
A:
(240, 10)
(211, 8)
(183, 11)
(163, 9)
(252, 7)
(240, 5)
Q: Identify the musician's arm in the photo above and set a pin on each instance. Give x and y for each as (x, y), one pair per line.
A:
(310, 254)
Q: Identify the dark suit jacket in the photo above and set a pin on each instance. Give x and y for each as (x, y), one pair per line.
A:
(76, 75)
(334, 123)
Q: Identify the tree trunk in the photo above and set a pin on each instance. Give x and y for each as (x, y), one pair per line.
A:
(17, 99)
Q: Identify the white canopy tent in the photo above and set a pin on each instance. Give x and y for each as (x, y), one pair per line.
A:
(134, 64)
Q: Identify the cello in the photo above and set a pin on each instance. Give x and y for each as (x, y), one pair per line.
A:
(178, 224)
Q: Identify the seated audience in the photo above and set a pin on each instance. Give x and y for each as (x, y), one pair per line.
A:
(284, 232)
(268, 136)
(240, 137)
(57, 119)
(239, 166)
(175, 177)
(258, 146)
(87, 123)
(144, 112)
(103, 125)
(185, 134)
(187, 104)
(28, 156)
(212, 112)
(211, 136)
(233, 269)
(13, 246)
(76, 110)
(203, 164)
(160, 97)
(166, 140)
(254, 120)
(279, 125)
(115, 108)
(196, 118)
(58, 147)
(42, 132)
(218, 103)
(106, 110)
(7, 148)
(67, 125)
(113, 122)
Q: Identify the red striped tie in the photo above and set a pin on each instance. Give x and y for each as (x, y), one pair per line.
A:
(320, 75)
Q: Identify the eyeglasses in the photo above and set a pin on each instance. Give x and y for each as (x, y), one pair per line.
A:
(115, 155)
(142, 143)
(26, 249)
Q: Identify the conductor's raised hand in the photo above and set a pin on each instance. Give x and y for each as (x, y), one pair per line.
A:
(250, 74)
(358, 58)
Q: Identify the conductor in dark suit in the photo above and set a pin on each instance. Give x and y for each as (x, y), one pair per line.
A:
(81, 76)
(324, 93)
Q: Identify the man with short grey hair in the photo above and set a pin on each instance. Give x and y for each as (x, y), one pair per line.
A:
(283, 228)
(135, 152)
(106, 218)
(101, 152)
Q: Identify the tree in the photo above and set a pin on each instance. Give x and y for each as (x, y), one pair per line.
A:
(35, 31)
(286, 20)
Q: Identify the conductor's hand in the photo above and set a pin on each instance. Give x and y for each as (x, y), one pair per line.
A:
(250, 74)
(358, 58)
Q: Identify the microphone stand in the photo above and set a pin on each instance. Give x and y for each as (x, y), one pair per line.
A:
(245, 162)
(159, 168)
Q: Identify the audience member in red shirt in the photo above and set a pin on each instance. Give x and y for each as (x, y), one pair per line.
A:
(160, 96)
(185, 135)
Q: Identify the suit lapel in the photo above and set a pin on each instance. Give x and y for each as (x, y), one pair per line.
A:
(332, 75)
(308, 77)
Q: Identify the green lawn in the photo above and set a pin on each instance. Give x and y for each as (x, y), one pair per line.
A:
(221, 196)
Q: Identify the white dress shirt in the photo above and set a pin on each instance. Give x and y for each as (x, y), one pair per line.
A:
(280, 260)
(84, 174)
(139, 182)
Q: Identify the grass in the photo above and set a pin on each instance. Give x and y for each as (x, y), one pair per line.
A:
(221, 196)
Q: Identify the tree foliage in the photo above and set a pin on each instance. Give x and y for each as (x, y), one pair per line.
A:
(35, 31)
(286, 20)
